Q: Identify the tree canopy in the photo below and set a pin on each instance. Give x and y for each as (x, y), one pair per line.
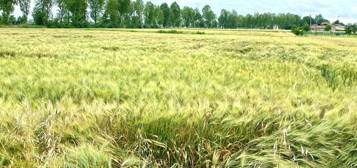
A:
(136, 14)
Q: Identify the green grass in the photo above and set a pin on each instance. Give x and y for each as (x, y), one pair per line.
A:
(113, 98)
(22, 26)
(330, 33)
(170, 31)
(200, 32)
(180, 32)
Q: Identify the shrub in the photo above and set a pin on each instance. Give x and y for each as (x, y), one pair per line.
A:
(306, 28)
(299, 31)
(328, 28)
(199, 32)
(351, 29)
(170, 31)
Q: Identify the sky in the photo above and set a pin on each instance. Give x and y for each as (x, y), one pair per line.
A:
(344, 10)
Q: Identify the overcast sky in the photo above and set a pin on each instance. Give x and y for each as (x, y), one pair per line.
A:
(345, 10)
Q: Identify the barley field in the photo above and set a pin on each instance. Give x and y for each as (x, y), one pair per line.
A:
(187, 98)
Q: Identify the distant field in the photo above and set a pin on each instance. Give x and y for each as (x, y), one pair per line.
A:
(184, 98)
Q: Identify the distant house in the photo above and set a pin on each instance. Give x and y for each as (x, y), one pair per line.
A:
(338, 27)
(316, 27)
(322, 26)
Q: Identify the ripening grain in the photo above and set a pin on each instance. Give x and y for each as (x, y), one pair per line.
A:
(141, 98)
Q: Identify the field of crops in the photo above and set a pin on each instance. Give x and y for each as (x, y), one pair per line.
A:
(186, 98)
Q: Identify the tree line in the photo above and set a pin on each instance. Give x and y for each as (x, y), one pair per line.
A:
(137, 14)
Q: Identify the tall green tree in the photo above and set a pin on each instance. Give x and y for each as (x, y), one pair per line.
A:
(25, 9)
(228, 19)
(337, 22)
(128, 13)
(6, 8)
(224, 18)
(175, 14)
(138, 13)
(308, 20)
(96, 9)
(63, 15)
(166, 14)
(159, 17)
(233, 19)
(112, 13)
(42, 12)
(125, 11)
(149, 13)
(320, 19)
(198, 19)
(208, 16)
(78, 10)
(188, 16)
(351, 29)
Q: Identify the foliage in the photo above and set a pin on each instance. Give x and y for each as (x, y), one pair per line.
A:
(136, 14)
(42, 12)
(175, 15)
(319, 19)
(166, 14)
(188, 16)
(328, 28)
(337, 22)
(198, 21)
(77, 12)
(306, 28)
(308, 20)
(149, 15)
(209, 17)
(299, 31)
(6, 8)
(223, 19)
(112, 11)
(138, 98)
(25, 9)
(351, 29)
(96, 11)
(170, 31)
